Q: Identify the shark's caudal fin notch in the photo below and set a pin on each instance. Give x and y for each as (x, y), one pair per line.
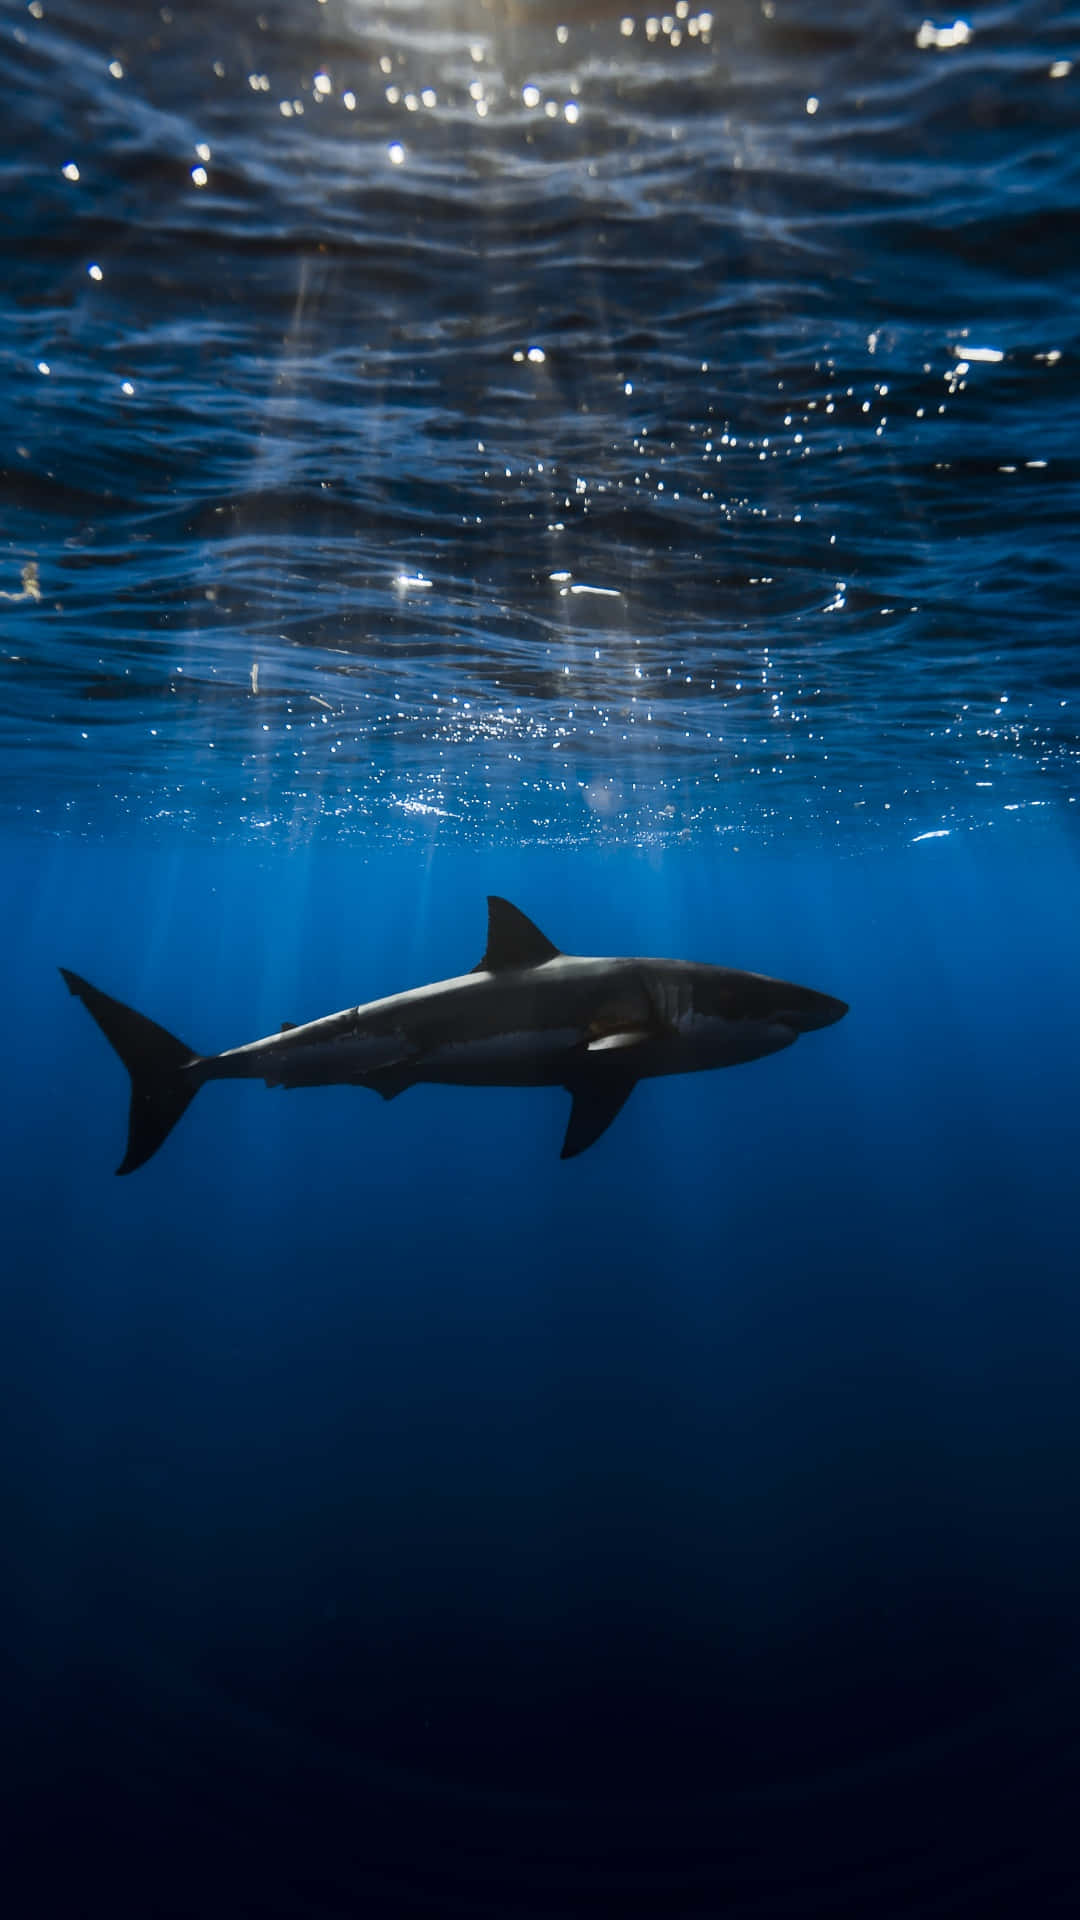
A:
(595, 1105)
(161, 1086)
(513, 941)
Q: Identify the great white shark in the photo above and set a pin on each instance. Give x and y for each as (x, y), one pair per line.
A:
(526, 1016)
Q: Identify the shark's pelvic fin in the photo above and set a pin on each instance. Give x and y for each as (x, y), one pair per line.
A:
(161, 1086)
(596, 1101)
(389, 1081)
(513, 941)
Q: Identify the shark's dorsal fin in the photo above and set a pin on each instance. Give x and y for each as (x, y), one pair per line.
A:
(596, 1101)
(513, 942)
(288, 1026)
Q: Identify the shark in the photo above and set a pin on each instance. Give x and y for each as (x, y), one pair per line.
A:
(527, 1015)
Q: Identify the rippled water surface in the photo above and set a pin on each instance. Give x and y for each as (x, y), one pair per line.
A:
(564, 421)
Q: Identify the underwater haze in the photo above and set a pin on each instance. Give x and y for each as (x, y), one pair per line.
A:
(624, 463)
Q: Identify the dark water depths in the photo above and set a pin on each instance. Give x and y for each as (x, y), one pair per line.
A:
(402, 1518)
(628, 465)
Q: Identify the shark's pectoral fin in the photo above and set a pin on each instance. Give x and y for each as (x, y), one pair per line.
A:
(596, 1101)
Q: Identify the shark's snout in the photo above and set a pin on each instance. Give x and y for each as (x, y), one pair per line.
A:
(814, 1010)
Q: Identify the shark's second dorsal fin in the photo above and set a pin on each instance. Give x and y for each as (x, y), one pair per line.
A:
(513, 941)
(288, 1026)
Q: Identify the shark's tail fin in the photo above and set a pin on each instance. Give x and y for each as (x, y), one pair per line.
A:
(161, 1085)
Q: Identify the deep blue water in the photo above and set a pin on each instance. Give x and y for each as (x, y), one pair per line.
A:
(629, 466)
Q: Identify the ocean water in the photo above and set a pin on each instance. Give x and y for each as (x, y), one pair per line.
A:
(625, 463)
